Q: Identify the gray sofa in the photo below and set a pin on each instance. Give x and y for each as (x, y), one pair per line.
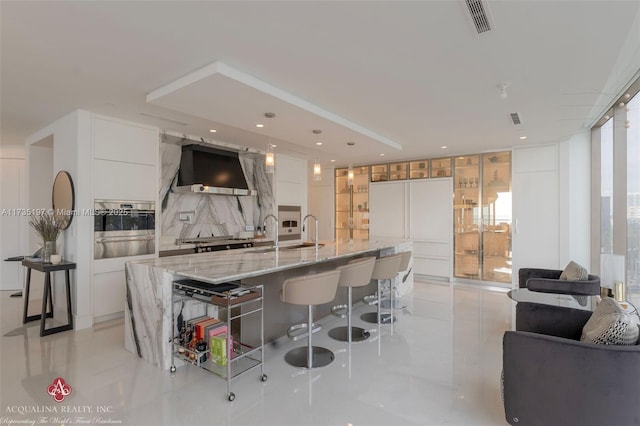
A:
(551, 378)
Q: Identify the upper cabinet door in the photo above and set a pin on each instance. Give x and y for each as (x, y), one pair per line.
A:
(387, 211)
(430, 210)
(129, 143)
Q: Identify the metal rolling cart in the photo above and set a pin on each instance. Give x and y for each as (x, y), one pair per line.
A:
(235, 302)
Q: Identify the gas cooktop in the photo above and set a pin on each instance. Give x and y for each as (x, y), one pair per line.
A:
(208, 244)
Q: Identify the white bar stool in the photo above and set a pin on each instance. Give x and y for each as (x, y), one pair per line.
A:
(310, 290)
(356, 273)
(385, 268)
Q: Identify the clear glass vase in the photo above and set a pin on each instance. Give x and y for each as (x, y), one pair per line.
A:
(48, 249)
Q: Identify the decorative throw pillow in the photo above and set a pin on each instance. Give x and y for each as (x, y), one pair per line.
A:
(574, 272)
(611, 325)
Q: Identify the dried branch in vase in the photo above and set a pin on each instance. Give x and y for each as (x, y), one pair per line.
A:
(47, 225)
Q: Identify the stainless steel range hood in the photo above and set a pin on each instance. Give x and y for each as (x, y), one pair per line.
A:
(206, 170)
(204, 189)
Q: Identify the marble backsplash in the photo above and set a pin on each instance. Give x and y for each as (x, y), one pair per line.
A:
(216, 215)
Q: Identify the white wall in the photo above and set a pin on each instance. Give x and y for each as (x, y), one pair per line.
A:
(70, 138)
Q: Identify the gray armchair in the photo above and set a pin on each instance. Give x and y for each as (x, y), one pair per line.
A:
(551, 378)
(548, 281)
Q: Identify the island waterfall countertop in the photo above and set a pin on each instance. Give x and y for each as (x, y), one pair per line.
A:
(148, 312)
(223, 266)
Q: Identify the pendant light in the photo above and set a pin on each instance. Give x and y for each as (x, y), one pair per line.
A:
(350, 175)
(269, 159)
(317, 170)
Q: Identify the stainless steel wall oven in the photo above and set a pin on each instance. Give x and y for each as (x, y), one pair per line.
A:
(123, 228)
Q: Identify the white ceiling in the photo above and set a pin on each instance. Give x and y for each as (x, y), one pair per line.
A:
(411, 73)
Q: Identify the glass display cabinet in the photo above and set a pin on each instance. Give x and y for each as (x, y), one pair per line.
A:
(482, 217)
(379, 173)
(496, 217)
(419, 169)
(352, 204)
(398, 171)
(440, 167)
(466, 217)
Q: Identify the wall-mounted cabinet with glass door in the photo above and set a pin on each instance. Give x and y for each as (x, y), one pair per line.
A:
(352, 204)
(482, 217)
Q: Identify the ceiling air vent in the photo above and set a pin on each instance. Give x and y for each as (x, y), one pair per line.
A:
(479, 15)
(515, 118)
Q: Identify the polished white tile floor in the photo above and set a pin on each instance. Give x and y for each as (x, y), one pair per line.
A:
(438, 365)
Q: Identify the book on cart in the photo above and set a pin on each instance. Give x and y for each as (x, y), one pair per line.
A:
(201, 327)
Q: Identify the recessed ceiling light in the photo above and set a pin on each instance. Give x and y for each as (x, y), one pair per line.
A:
(443, 147)
(212, 130)
(522, 138)
(318, 143)
(351, 143)
(259, 125)
(382, 154)
(273, 145)
(333, 161)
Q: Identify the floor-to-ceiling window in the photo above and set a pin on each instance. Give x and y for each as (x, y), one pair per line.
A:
(606, 187)
(617, 134)
(633, 200)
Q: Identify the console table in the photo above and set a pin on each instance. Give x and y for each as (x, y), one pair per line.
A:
(47, 298)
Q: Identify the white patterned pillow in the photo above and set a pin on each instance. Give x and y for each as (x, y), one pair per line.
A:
(611, 325)
(574, 272)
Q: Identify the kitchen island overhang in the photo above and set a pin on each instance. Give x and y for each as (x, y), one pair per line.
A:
(148, 322)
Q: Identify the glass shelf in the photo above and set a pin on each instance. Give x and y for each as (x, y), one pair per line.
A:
(482, 217)
(352, 204)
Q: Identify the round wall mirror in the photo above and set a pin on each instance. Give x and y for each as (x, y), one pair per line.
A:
(63, 198)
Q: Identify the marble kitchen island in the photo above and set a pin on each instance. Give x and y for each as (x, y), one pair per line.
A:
(148, 319)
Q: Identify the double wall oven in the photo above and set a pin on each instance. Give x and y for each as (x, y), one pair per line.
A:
(123, 228)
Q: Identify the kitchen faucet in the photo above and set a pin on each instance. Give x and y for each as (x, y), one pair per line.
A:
(264, 226)
(316, 219)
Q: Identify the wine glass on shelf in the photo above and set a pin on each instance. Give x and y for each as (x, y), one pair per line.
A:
(460, 182)
(475, 181)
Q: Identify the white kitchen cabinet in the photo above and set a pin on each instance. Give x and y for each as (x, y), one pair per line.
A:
(419, 210)
(291, 185)
(536, 236)
(291, 182)
(388, 210)
(109, 289)
(431, 226)
(109, 294)
(128, 142)
(114, 180)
